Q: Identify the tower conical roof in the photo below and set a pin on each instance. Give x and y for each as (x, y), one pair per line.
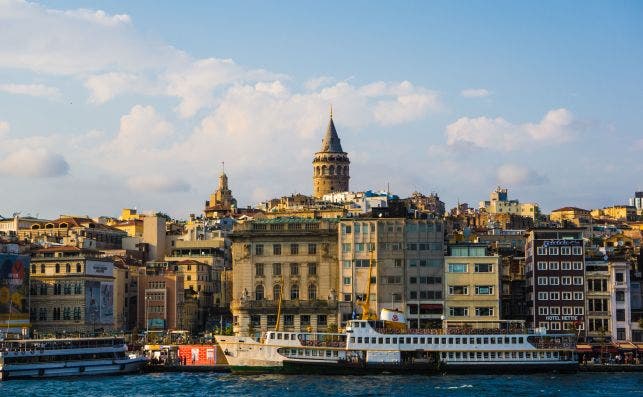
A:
(331, 142)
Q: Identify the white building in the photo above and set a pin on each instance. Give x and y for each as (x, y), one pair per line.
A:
(620, 305)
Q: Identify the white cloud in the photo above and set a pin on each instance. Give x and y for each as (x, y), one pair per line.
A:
(143, 127)
(99, 17)
(36, 90)
(157, 183)
(317, 82)
(555, 127)
(515, 174)
(475, 93)
(104, 87)
(38, 162)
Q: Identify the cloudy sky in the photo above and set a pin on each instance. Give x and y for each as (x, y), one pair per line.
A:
(105, 105)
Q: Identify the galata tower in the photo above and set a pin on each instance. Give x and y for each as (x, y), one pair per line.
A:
(330, 165)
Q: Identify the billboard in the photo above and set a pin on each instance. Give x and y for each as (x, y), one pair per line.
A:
(14, 290)
(99, 302)
(99, 268)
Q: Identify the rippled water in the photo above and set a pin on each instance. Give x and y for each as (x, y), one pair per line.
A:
(199, 384)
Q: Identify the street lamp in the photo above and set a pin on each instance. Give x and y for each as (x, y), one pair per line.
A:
(147, 323)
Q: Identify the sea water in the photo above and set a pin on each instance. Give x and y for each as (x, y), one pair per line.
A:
(222, 384)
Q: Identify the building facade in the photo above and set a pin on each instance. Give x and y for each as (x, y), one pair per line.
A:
(499, 203)
(330, 165)
(555, 273)
(161, 296)
(292, 260)
(471, 284)
(71, 290)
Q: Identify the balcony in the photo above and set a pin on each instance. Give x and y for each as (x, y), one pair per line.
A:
(271, 306)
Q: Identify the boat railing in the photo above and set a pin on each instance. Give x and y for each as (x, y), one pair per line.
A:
(43, 345)
(453, 331)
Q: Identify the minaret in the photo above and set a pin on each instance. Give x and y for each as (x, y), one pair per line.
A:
(330, 164)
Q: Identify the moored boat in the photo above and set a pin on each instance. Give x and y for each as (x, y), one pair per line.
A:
(43, 358)
(371, 346)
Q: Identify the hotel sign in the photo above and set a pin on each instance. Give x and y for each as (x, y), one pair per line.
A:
(99, 268)
(561, 318)
(562, 243)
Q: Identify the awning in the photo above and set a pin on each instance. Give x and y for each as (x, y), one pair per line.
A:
(626, 346)
(430, 306)
(583, 348)
(639, 346)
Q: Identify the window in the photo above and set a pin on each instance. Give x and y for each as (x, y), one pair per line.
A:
(543, 296)
(78, 268)
(620, 314)
(276, 292)
(542, 265)
(577, 250)
(620, 333)
(553, 250)
(42, 314)
(413, 262)
(322, 320)
(542, 280)
(259, 293)
(347, 297)
(294, 269)
(397, 263)
(619, 277)
(483, 268)
(458, 311)
(484, 311)
(276, 269)
(578, 280)
(272, 320)
(554, 310)
(312, 249)
(312, 269)
(294, 292)
(565, 250)
(346, 247)
(578, 265)
(276, 249)
(289, 320)
(457, 268)
(578, 296)
(567, 296)
(68, 268)
(620, 296)
(347, 280)
(42, 268)
(258, 269)
(541, 251)
(484, 290)
(554, 296)
(553, 265)
(566, 265)
(566, 280)
(554, 281)
(312, 292)
(304, 319)
(294, 249)
(458, 290)
(567, 311)
(578, 310)
(259, 249)
(543, 310)
(555, 326)
(359, 247)
(57, 267)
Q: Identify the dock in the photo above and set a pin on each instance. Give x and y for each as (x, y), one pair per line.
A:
(154, 368)
(611, 368)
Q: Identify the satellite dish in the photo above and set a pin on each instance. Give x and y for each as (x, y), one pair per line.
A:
(605, 257)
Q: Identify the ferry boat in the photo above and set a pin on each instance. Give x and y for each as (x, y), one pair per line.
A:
(371, 346)
(43, 358)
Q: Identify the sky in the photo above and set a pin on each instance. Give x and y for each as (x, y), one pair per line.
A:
(114, 104)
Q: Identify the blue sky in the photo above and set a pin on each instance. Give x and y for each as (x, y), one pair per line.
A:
(119, 104)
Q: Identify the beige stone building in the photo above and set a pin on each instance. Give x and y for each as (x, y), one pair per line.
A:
(221, 202)
(499, 203)
(330, 165)
(71, 290)
(407, 268)
(573, 215)
(471, 284)
(161, 296)
(293, 256)
(74, 231)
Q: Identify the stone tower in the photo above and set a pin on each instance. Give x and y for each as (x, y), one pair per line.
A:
(330, 165)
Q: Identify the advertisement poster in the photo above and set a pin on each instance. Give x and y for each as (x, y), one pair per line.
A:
(92, 302)
(107, 303)
(14, 290)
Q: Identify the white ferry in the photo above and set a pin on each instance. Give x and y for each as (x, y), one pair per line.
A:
(369, 346)
(43, 358)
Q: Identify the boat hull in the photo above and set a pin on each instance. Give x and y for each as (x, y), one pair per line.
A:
(511, 368)
(72, 369)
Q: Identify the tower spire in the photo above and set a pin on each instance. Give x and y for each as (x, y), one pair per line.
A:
(331, 110)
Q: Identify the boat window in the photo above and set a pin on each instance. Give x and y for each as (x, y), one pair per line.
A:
(437, 341)
(307, 352)
(395, 341)
(428, 341)
(352, 339)
(388, 340)
(556, 354)
(450, 341)
(286, 336)
(457, 354)
(415, 340)
(548, 354)
(506, 340)
(271, 336)
(513, 354)
(472, 341)
(359, 339)
(486, 355)
(479, 341)
(513, 339)
(451, 355)
(444, 341)
(479, 355)
(373, 340)
(328, 353)
(314, 352)
(335, 353)
(380, 341)
(521, 355)
(521, 340)
(485, 341)
(457, 341)
(472, 355)
(492, 355)
(279, 335)
(492, 341)
(421, 341)
(408, 341)
(444, 355)
(401, 341)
